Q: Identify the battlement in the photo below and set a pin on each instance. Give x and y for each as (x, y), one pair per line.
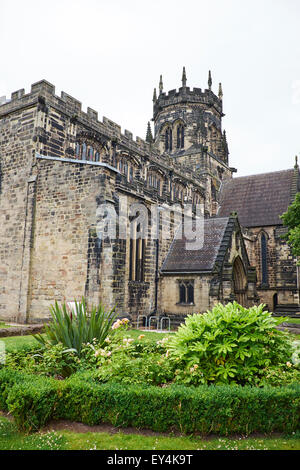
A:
(186, 95)
(72, 107)
(43, 92)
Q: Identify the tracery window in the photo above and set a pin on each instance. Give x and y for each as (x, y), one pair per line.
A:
(131, 174)
(264, 259)
(137, 250)
(186, 292)
(154, 181)
(84, 151)
(168, 139)
(77, 150)
(180, 136)
(91, 153)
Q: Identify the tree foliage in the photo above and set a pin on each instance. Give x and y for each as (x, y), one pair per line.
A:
(291, 219)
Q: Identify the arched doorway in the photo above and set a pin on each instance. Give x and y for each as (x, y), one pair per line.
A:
(240, 282)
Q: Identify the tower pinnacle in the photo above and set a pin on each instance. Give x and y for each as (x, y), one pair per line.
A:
(209, 80)
(154, 95)
(220, 91)
(149, 136)
(161, 86)
(183, 77)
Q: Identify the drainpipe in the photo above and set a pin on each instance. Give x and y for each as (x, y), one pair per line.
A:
(159, 210)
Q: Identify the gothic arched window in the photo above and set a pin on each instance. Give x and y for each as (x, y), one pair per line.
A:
(264, 259)
(186, 292)
(83, 155)
(180, 136)
(168, 139)
(77, 150)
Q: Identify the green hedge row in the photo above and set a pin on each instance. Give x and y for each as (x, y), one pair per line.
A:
(34, 400)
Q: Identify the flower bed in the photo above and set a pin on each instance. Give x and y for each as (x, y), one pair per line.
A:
(226, 371)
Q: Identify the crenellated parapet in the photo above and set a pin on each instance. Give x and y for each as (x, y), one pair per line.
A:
(188, 127)
(63, 130)
(186, 95)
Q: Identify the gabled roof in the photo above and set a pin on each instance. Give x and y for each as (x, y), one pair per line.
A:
(259, 200)
(181, 259)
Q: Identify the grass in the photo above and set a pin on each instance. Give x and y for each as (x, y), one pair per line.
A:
(11, 439)
(19, 342)
(4, 325)
(292, 320)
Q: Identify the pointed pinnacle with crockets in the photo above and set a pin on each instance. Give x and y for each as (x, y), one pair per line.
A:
(154, 96)
(209, 80)
(161, 86)
(149, 136)
(183, 77)
(220, 91)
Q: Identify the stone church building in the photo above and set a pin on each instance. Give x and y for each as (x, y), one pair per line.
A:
(60, 166)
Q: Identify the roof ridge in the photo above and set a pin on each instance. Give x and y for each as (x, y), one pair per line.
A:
(260, 174)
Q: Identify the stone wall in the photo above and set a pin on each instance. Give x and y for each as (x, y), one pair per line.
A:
(281, 266)
(16, 206)
(169, 294)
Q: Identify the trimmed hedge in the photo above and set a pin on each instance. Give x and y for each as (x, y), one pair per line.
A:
(33, 401)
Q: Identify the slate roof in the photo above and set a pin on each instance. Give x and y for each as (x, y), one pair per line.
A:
(181, 259)
(259, 200)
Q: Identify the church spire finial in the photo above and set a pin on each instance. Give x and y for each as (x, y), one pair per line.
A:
(149, 136)
(209, 80)
(183, 77)
(296, 162)
(161, 86)
(154, 95)
(220, 91)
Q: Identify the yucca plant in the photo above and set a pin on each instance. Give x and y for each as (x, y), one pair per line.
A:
(75, 330)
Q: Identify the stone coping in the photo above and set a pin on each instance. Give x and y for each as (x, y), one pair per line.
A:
(21, 330)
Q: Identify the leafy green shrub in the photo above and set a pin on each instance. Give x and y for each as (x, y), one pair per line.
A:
(280, 376)
(230, 344)
(33, 401)
(75, 330)
(148, 369)
(296, 353)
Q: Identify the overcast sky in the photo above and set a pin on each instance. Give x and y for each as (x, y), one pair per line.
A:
(109, 54)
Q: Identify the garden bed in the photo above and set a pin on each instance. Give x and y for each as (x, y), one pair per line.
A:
(226, 372)
(34, 401)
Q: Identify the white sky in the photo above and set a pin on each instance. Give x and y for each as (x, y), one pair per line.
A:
(109, 54)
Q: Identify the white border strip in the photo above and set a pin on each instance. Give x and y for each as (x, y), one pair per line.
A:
(72, 160)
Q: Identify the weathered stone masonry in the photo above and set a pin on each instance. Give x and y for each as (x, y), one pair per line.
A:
(58, 165)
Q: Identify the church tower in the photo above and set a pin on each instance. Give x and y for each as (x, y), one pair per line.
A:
(188, 127)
